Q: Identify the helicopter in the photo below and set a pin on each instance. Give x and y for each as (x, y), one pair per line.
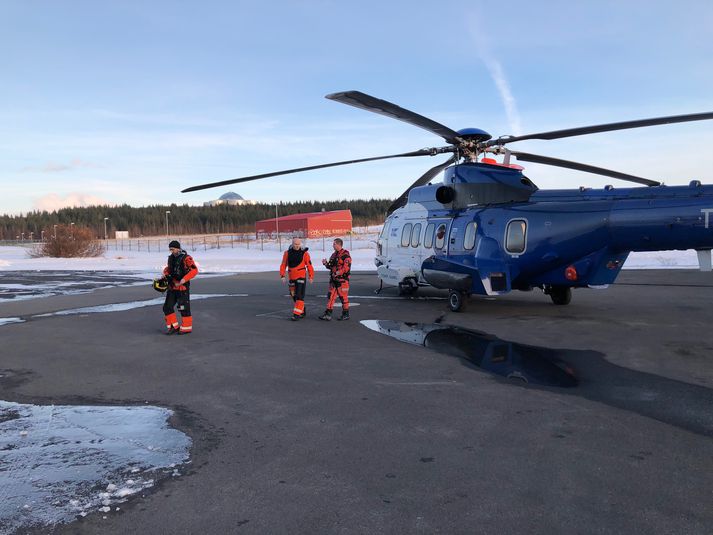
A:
(487, 229)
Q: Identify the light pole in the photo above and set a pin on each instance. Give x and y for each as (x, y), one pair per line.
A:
(55, 232)
(42, 236)
(277, 230)
(71, 230)
(105, 235)
(32, 235)
(167, 212)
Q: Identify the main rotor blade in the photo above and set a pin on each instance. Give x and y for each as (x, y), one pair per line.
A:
(546, 160)
(420, 152)
(383, 107)
(425, 179)
(571, 132)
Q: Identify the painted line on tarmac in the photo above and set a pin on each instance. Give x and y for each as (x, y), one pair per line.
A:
(284, 312)
(423, 383)
(121, 307)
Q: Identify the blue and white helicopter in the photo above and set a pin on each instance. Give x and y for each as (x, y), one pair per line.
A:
(487, 229)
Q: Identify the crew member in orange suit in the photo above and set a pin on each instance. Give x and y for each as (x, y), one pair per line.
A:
(179, 270)
(339, 266)
(298, 265)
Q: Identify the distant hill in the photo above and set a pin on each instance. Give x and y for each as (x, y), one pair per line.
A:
(183, 219)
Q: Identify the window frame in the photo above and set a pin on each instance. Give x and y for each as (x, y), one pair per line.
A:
(507, 236)
(443, 239)
(428, 244)
(407, 234)
(471, 225)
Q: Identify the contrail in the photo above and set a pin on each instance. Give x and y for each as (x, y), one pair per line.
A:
(497, 74)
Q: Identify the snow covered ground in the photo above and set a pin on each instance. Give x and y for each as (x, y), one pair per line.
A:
(238, 259)
(242, 260)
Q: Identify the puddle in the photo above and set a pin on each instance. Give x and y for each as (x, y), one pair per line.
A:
(677, 403)
(120, 307)
(21, 285)
(518, 362)
(60, 463)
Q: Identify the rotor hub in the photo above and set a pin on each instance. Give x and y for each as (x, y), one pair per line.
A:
(474, 134)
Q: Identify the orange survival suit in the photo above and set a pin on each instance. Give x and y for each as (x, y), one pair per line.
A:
(298, 265)
(180, 267)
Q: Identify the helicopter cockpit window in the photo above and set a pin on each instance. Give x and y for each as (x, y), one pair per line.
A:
(515, 236)
(416, 235)
(469, 237)
(406, 235)
(441, 236)
(428, 236)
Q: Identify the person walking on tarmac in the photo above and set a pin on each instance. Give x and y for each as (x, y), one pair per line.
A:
(180, 269)
(339, 266)
(298, 264)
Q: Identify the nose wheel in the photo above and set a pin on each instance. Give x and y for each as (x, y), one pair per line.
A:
(457, 300)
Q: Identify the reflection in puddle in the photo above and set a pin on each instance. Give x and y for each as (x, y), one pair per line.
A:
(528, 364)
(684, 405)
(63, 462)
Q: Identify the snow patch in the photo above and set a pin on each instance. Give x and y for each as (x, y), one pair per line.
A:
(86, 455)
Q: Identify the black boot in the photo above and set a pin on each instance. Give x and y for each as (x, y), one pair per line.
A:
(345, 315)
(296, 317)
(327, 316)
(171, 330)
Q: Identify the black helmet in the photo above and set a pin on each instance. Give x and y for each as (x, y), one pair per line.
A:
(160, 285)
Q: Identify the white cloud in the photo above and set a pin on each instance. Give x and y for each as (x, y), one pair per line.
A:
(53, 201)
(52, 167)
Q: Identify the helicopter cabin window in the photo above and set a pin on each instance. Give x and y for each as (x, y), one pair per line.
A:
(441, 236)
(406, 235)
(416, 235)
(428, 236)
(515, 236)
(469, 237)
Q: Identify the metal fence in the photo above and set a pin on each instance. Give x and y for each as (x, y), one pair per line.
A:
(235, 241)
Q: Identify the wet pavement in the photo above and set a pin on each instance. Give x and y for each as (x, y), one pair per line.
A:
(515, 416)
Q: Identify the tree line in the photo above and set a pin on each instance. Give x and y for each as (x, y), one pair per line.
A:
(183, 219)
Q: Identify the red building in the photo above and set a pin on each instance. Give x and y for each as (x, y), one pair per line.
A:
(309, 225)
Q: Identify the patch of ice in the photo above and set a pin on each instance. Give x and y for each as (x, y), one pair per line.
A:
(5, 321)
(79, 449)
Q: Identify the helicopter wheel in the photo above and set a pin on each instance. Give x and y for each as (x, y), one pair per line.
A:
(560, 295)
(457, 300)
(408, 287)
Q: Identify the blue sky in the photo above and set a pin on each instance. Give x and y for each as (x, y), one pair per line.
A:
(133, 101)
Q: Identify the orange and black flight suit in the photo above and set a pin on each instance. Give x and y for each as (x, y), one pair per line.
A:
(339, 266)
(179, 267)
(298, 265)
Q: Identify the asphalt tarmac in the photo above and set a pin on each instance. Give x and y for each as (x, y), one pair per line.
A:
(315, 427)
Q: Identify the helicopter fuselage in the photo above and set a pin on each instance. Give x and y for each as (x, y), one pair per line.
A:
(513, 236)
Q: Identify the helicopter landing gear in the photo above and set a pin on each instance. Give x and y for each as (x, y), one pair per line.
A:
(408, 287)
(560, 295)
(457, 300)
